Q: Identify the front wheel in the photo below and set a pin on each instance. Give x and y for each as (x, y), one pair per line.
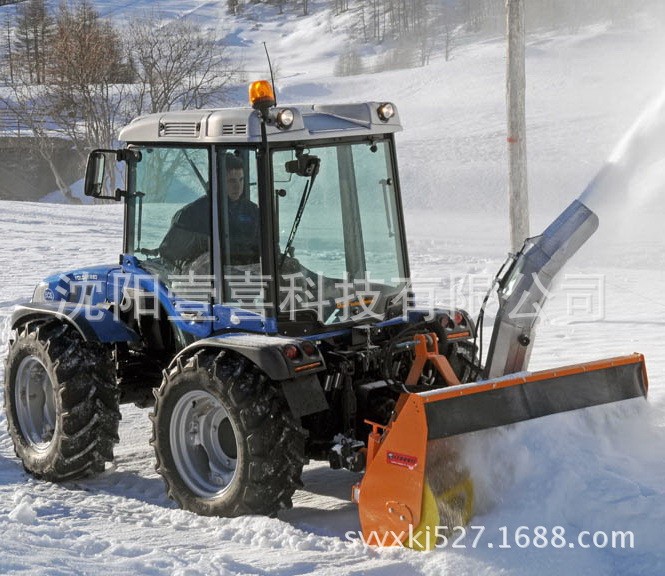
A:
(61, 401)
(224, 440)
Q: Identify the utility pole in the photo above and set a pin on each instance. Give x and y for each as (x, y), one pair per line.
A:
(515, 104)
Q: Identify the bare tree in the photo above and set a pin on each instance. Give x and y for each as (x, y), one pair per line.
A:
(82, 99)
(88, 72)
(22, 102)
(93, 84)
(178, 65)
(280, 5)
(349, 63)
(340, 6)
(449, 22)
(233, 7)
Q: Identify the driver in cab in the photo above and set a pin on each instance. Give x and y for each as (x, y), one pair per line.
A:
(187, 242)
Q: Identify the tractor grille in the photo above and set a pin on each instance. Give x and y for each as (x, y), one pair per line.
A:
(234, 129)
(191, 129)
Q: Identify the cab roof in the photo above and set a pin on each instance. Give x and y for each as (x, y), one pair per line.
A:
(242, 125)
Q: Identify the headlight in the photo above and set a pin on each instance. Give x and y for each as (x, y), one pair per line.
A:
(43, 293)
(285, 118)
(386, 111)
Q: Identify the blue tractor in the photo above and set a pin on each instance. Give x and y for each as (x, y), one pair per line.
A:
(262, 305)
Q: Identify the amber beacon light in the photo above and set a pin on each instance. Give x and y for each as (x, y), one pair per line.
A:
(261, 94)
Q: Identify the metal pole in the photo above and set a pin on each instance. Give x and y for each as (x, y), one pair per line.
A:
(515, 103)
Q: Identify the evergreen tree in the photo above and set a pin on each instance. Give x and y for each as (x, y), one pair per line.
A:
(34, 28)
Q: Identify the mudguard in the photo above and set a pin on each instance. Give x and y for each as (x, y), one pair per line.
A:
(301, 387)
(92, 323)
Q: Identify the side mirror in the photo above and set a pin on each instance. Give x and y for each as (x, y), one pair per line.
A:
(102, 172)
(95, 174)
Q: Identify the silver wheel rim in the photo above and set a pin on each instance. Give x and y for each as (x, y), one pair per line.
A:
(204, 444)
(35, 403)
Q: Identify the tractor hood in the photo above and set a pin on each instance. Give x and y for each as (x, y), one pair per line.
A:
(87, 285)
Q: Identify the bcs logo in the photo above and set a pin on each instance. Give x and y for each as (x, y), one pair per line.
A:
(403, 460)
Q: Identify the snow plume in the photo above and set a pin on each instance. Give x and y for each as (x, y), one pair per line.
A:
(592, 470)
(634, 175)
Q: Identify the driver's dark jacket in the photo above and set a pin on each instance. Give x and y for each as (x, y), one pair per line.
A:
(243, 231)
(189, 234)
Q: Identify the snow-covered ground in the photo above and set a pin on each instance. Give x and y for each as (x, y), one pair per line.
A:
(602, 469)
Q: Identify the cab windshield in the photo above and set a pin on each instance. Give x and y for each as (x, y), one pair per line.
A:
(339, 251)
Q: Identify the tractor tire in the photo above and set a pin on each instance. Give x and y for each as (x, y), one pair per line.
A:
(224, 439)
(61, 401)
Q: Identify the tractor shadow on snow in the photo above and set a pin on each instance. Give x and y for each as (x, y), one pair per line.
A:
(323, 507)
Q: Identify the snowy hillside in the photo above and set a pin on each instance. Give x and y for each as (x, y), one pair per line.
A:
(583, 92)
(600, 470)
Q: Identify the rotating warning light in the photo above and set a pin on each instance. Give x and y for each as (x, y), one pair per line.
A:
(261, 94)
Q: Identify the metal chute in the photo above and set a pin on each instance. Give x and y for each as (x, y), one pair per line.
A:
(524, 287)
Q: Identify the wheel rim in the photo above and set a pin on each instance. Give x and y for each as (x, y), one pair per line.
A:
(35, 403)
(204, 442)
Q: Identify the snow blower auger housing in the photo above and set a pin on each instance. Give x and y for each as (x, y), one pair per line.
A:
(262, 305)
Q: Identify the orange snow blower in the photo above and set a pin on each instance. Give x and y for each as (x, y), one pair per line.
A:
(414, 486)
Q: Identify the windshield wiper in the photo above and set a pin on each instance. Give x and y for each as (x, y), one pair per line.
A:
(195, 168)
(312, 169)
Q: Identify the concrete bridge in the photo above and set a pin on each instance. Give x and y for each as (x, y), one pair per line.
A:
(25, 174)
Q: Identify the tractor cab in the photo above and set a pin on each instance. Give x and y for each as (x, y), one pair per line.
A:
(295, 221)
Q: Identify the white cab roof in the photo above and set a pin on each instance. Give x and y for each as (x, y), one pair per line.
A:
(238, 125)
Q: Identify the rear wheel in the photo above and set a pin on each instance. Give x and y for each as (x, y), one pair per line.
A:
(61, 401)
(225, 442)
